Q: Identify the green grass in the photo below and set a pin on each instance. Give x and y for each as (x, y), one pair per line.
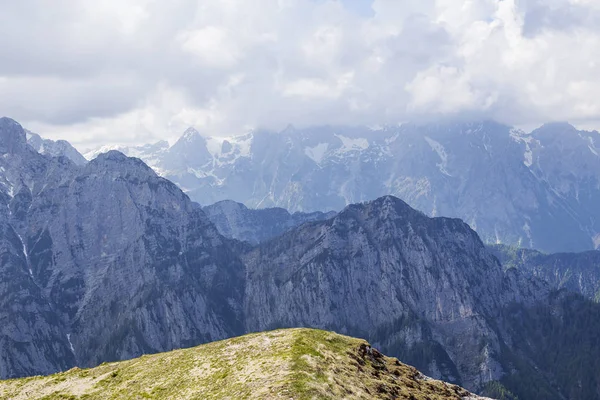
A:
(299, 364)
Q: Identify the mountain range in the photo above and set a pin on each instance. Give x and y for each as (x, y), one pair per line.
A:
(538, 190)
(108, 261)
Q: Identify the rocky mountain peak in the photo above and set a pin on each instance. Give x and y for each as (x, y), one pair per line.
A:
(189, 142)
(33, 139)
(384, 207)
(229, 205)
(81, 238)
(114, 161)
(54, 148)
(189, 151)
(12, 136)
(113, 156)
(393, 259)
(558, 125)
(190, 134)
(555, 131)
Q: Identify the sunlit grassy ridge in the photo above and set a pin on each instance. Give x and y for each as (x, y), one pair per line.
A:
(283, 364)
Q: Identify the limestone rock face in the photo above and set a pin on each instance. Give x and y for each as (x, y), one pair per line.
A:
(111, 262)
(32, 340)
(383, 271)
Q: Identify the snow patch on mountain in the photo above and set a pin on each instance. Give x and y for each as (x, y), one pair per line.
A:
(521, 137)
(390, 140)
(215, 146)
(8, 186)
(441, 152)
(317, 153)
(243, 144)
(351, 144)
(527, 230)
(592, 146)
(70, 343)
(25, 254)
(227, 150)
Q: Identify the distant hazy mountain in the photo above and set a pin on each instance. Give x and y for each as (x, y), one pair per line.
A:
(150, 153)
(54, 148)
(236, 221)
(577, 272)
(535, 190)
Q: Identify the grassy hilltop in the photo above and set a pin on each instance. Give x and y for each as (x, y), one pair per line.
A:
(284, 364)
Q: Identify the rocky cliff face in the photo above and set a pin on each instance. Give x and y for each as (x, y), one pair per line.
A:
(32, 339)
(534, 190)
(236, 221)
(386, 272)
(119, 261)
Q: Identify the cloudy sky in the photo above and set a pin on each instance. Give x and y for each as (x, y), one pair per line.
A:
(131, 71)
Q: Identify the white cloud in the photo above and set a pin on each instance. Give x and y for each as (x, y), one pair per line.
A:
(318, 88)
(212, 46)
(446, 90)
(139, 70)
